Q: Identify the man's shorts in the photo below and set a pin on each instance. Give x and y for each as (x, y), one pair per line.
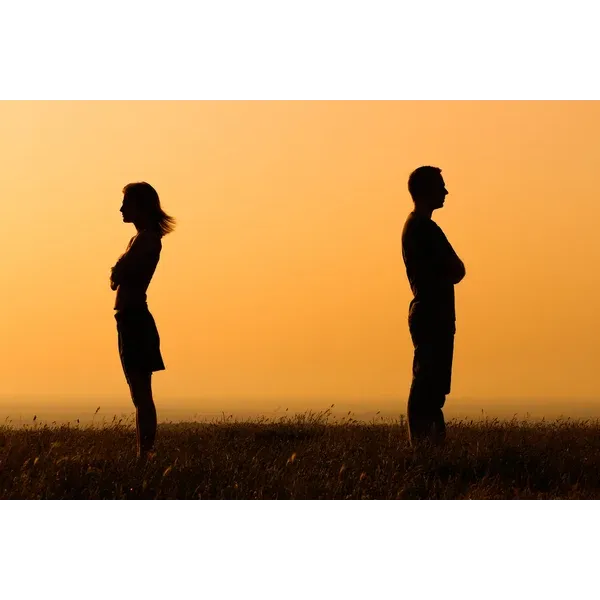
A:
(139, 342)
(434, 352)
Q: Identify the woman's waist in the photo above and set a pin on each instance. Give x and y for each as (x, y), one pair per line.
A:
(133, 314)
(130, 297)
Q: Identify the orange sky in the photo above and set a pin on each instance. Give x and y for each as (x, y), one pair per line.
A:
(284, 277)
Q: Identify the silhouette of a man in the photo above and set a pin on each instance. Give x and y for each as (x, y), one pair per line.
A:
(433, 269)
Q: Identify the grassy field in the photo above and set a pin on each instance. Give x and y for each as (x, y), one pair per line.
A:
(313, 456)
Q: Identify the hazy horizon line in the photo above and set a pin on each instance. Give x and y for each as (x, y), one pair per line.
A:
(294, 399)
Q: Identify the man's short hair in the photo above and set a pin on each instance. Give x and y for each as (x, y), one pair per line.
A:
(420, 180)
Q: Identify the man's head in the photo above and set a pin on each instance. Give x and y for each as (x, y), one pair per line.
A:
(427, 188)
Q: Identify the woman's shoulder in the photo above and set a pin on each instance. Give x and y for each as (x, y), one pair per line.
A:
(149, 239)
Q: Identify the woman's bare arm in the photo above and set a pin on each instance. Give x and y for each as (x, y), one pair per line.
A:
(141, 258)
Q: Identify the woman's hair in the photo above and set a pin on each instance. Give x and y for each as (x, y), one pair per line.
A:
(146, 199)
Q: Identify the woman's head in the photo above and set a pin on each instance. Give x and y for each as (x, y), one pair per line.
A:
(141, 206)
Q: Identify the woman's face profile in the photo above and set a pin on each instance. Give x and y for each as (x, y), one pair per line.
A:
(128, 210)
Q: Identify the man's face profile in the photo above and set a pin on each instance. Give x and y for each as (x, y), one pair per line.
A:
(437, 192)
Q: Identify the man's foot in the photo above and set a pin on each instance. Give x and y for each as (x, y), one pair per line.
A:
(146, 455)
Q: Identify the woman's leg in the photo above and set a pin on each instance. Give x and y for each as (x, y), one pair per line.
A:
(140, 385)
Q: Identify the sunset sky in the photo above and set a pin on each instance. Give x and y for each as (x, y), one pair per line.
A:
(284, 277)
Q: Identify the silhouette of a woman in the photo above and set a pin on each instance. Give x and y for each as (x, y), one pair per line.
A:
(139, 342)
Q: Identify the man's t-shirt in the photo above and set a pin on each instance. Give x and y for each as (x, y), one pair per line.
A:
(427, 254)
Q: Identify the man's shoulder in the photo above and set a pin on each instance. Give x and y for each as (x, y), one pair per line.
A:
(416, 225)
(412, 221)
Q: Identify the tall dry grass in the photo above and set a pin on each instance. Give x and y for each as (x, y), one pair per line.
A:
(311, 456)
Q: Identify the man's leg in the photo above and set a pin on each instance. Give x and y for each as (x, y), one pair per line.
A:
(432, 367)
(421, 411)
(439, 423)
(444, 354)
